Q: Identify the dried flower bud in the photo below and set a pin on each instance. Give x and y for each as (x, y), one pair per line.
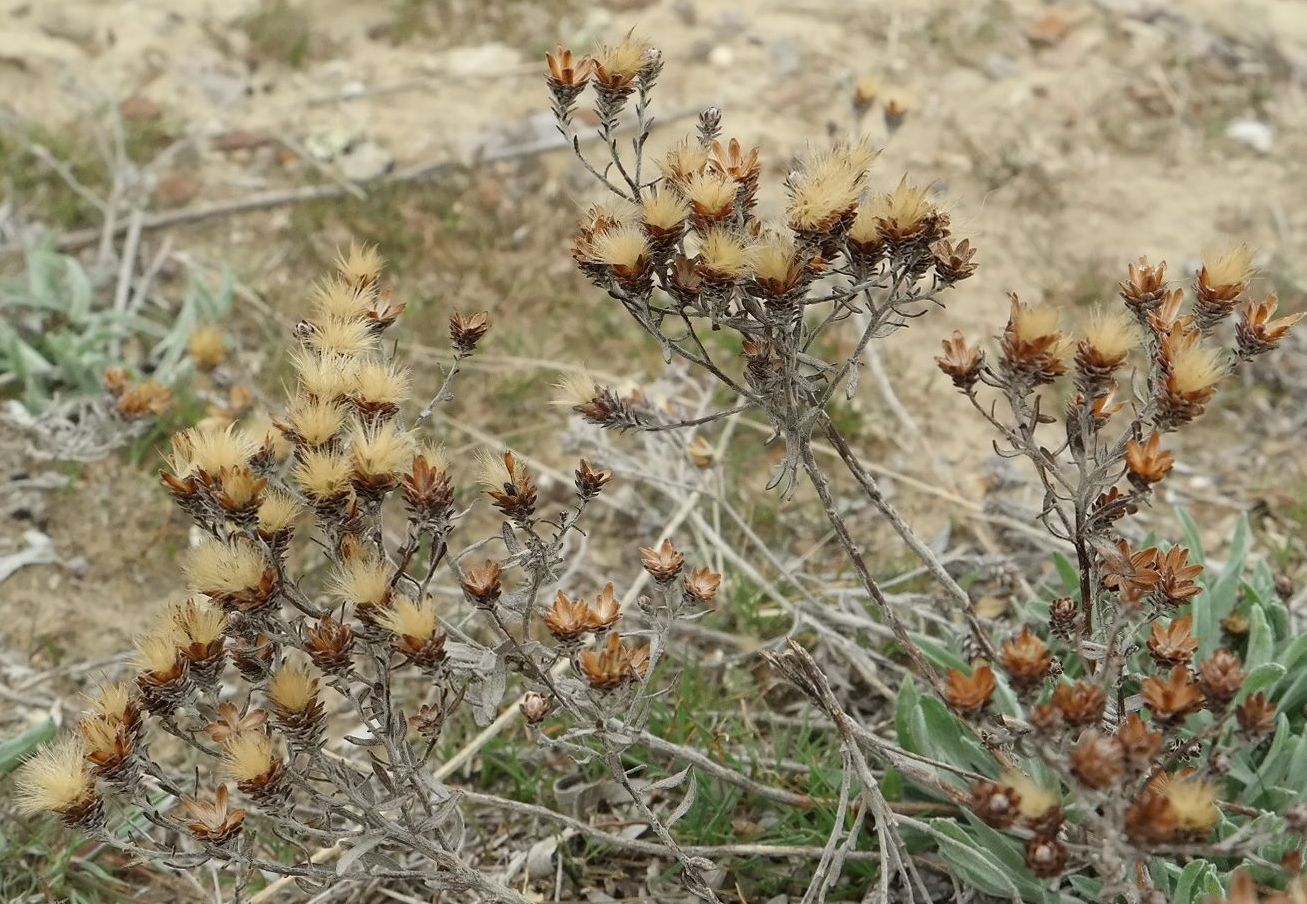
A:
(568, 619)
(970, 694)
(144, 399)
(1175, 578)
(864, 94)
(701, 586)
(1221, 677)
(1045, 857)
(961, 362)
(428, 490)
(1140, 745)
(953, 262)
(329, 644)
(1173, 644)
(535, 707)
(1256, 333)
(1026, 660)
(466, 330)
(895, 110)
(589, 481)
(613, 664)
(211, 821)
(1256, 716)
(567, 78)
(293, 694)
(1080, 703)
(1147, 463)
(253, 657)
(663, 562)
(1033, 347)
(1172, 699)
(1063, 617)
(510, 485)
(995, 804)
(743, 168)
(1144, 289)
(606, 610)
(1097, 760)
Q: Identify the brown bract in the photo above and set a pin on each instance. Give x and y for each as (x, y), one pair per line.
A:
(1174, 643)
(1256, 333)
(970, 693)
(1080, 702)
(1026, 659)
(211, 821)
(1147, 462)
(613, 664)
(663, 562)
(960, 361)
(1221, 676)
(1172, 699)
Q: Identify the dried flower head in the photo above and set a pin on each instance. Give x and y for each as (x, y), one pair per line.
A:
(1036, 805)
(1033, 346)
(1173, 644)
(906, 215)
(711, 196)
(1256, 715)
(313, 421)
(343, 337)
(776, 266)
(723, 256)
(466, 330)
(327, 377)
(663, 562)
(1026, 659)
(1140, 744)
(340, 298)
(1144, 288)
(360, 265)
(664, 214)
(1256, 333)
(960, 361)
(995, 804)
(1222, 279)
(535, 707)
(416, 630)
(56, 780)
(1175, 578)
(970, 693)
(953, 262)
(1172, 699)
(212, 451)
(701, 586)
(568, 619)
(277, 514)
(211, 821)
(481, 583)
(568, 72)
(379, 453)
(250, 758)
(363, 581)
(509, 485)
(613, 664)
(1221, 677)
(234, 573)
(292, 688)
(1192, 370)
(1097, 760)
(616, 66)
(606, 609)
(824, 191)
(1080, 702)
(685, 160)
(1147, 462)
(1194, 804)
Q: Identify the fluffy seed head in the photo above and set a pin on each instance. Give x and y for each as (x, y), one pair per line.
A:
(1032, 322)
(360, 265)
(328, 376)
(110, 700)
(724, 253)
(406, 618)
(213, 450)
(711, 192)
(157, 652)
(1111, 332)
(217, 567)
(323, 475)
(361, 580)
(315, 420)
(907, 204)
(664, 210)
(622, 246)
(1231, 267)
(206, 347)
(199, 622)
(683, 161)
(54, 779)
(348, 337)
(495, 469)
(381, 450)
(381, 383)
(772, 256)
(292, 687)
(277, 512)
(248, 755)
(624, 60)
(1036, 800)
(1196, 367)
(574, 389)
(827, 185)
(336, 298)
(1193, 802)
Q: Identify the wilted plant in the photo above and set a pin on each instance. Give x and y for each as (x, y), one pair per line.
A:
(282, 701)
(1123, 733)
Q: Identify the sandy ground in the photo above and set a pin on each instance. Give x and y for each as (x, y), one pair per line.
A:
(1066, 139)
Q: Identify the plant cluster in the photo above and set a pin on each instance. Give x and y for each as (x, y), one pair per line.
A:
(336, 626)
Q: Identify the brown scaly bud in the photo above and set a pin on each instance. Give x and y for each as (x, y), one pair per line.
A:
(1173, 644)
(110, 748)
(1256, 333)
(1235, 626)
(329, 644)
(1256, 716)
(1080, 703)
(995, 804)
(56, 780)
(953, 262)
(211, 821)
(701, 586)
(481, 584)
(1063, 617)
(1111, 506)
(970, 694)
(148, 399)
(296, 709)
(430, 720)
(535, 707)
(415, 632)
(1140, 745)
(1221, 677)
(164, 677)
(428, 490)
(960, 361)
(663, 562)
(1191, 371)
(231, 722)
(1026, 660)
(1045, 857)
(1173, 699)
(606, 610)
(1145, 288)
(510, 486)
(1147, 463)
(1128, 571)
(613, 664)
(589, 480)
(253, 657)
(567, 76)
(568, 619)
(1219, 284)
(1046, 718)
(1097, 760)
(466, 330)
(1175, 578)
(1033, 347)
(762, 363)
(684, 282)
